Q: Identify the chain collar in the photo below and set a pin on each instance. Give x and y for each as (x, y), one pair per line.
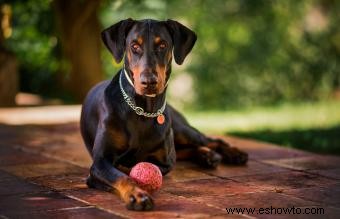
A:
(138, 110)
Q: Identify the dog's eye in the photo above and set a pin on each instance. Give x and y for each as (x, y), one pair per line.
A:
(162, 46)
(136, 48)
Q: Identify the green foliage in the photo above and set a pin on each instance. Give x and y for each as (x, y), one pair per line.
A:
(317, 140)
(278, 118)
(253, 52)
(34, 43)
(308, 126)
(260, 52)
(248, 52)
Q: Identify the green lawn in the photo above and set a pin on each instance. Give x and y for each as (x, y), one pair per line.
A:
(308, 126)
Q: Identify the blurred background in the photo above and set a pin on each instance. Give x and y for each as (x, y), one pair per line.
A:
(260, 69)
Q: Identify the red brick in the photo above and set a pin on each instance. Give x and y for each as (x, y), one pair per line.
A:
(4, 176)
(251, 168)
(279, 182)
(55, 147)
(328, 213)
(328, 195)
(50, 140)
(330, 173)
(189, 191)
(35, 170)
(331, 212)
(26, 203)
(307, 163)
(62, 182)
(275, 153)
(185, 172)
(262, 150)
(13, 156)
(77, 212)
(95, 197)
(209, 187)
(223, 216)
(75, 153)
(254, 200)
(166, 205)
(15, 186)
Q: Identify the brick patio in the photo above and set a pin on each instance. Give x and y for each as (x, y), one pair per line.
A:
(43, 168)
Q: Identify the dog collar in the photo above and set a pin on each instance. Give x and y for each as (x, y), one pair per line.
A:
(139, 110)
(127, 76)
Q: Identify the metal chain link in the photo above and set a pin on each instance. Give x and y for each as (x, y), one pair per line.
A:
(138, 110)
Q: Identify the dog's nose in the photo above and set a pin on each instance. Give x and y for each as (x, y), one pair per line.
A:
(148, 80)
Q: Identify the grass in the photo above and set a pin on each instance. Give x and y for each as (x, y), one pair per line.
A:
(309, 126)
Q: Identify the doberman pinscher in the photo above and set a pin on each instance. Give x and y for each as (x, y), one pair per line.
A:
(126, 120)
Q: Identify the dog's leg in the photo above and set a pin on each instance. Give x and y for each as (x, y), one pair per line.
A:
(103, 175)
(206, 151)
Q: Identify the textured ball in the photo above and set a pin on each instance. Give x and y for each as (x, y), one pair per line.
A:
(147, 176)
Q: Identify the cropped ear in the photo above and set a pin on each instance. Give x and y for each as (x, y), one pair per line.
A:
(183, 39)
(114, 37)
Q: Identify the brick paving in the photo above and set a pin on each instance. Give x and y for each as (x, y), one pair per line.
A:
(43, 169)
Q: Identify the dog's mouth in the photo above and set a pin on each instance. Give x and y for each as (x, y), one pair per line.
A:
(149, 92)
(150, 95)
(146, 91)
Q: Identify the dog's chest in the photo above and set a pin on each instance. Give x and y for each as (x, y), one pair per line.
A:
(153, 143)
(146, 133)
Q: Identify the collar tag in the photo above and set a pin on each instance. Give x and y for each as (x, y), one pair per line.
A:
(161, 119)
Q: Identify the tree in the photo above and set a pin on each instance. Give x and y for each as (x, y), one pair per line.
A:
(8, 63)
(79, 33)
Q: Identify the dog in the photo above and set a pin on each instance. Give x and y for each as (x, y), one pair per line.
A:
(127, 120)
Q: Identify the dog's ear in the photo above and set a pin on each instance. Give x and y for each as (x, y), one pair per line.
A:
(114, 37)
(183, 39)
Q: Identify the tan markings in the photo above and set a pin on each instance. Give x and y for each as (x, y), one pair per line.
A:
(124, 186)
(119, 139)
(140, 40)
(157, 40)
(184, 154)
(169, 56)
(159, 155)
(137, 70)
(161, 73)
(203, 149)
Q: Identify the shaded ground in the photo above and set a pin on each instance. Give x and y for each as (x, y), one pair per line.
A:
(43, 169)
(322, 140)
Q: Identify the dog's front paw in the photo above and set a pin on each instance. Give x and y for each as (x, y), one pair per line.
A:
(134, 197)
(139, 200)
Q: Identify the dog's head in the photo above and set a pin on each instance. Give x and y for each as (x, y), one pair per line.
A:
(148, 46)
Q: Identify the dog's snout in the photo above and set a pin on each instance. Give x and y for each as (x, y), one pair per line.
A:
(148, 80)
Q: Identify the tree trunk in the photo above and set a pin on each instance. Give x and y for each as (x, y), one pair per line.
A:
(8, 78)
(8, 63)
(79, 34)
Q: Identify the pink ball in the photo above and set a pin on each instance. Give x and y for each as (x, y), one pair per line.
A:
(147, 176)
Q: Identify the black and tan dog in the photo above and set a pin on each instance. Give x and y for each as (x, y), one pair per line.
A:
(126, 120)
